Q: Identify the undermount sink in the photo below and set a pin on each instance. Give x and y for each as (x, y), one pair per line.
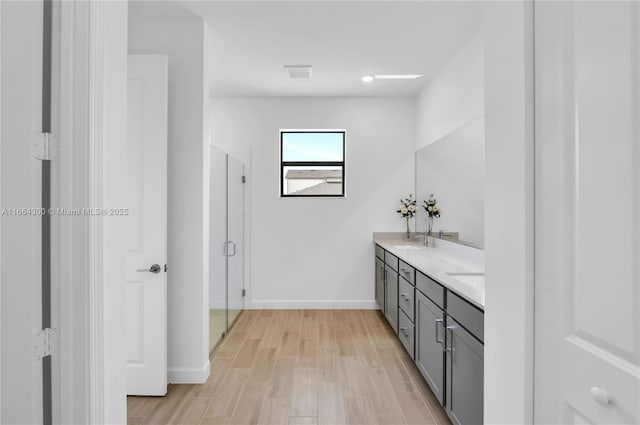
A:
(407, 247)
(472, 279)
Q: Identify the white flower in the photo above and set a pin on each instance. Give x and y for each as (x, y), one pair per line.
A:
(429, 208)
(411, 208)
(436, 208)
(403, 210)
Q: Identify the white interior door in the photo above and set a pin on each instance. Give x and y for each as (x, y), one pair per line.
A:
(146, 278)
(21, 375)
(587, 324)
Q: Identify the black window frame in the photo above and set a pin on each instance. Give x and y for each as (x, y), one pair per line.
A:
(313, 164)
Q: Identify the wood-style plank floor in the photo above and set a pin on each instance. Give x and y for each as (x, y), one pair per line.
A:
(302, 367)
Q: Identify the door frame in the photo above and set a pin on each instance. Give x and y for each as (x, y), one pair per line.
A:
(93, 54)
(509, 212)
(508, 30)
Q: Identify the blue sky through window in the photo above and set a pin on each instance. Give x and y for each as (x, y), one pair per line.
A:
(312, 147)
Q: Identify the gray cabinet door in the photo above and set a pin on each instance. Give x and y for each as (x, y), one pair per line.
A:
(380, 284)
(391, 298)
(465, 376)
(429, 354)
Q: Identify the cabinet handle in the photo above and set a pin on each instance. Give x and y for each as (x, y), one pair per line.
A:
(404, 332)
(438, 322)
(403, 295)
(449, 345)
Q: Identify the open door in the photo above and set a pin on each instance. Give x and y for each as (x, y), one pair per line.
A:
(25, 398)
(146, 274)
(587, 304)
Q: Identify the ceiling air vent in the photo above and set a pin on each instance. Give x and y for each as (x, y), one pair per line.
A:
(298, 72)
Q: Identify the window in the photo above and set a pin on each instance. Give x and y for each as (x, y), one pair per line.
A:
(312, 163)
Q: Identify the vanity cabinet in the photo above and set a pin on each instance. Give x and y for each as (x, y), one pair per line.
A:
(380, 283)
(430, 354)
(440, 330)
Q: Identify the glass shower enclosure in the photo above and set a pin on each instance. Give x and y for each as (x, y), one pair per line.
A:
(226, 249)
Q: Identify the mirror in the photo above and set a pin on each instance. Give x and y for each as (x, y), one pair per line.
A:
(452, 168)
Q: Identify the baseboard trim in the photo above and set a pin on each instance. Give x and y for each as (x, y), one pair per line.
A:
(185, 375)
(311, 304)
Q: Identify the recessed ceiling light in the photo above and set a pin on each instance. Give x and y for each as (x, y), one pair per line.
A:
(367, 78)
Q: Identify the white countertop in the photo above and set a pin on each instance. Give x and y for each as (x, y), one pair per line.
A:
(439, 260)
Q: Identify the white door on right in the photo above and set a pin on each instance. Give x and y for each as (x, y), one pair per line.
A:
(587, 272)
(145, 306)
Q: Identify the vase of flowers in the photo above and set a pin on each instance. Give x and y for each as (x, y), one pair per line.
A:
(433, 211)
(407, 211)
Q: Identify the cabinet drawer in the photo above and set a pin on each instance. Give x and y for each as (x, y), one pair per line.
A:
(406, 298)
(391, 260)
(466, 314)
(407, 271)
(379, 252)
(406, 332)
(430, 288)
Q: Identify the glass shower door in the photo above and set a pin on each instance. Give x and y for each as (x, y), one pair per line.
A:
(226, 250)
(235, 234)
(217, 247)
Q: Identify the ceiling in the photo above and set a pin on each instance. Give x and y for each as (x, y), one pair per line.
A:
(342, 40)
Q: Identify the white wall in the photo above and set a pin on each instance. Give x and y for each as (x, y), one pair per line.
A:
(454, 96)
(319, 252)
(509, 213)
(182, 40)
(206, 179)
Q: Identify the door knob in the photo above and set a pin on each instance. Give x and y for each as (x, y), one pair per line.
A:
(600, 395)
(155, 268)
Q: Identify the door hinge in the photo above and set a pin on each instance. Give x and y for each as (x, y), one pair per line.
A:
(244, 179)
(45, 343)
(45, 147)
(244, 292)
